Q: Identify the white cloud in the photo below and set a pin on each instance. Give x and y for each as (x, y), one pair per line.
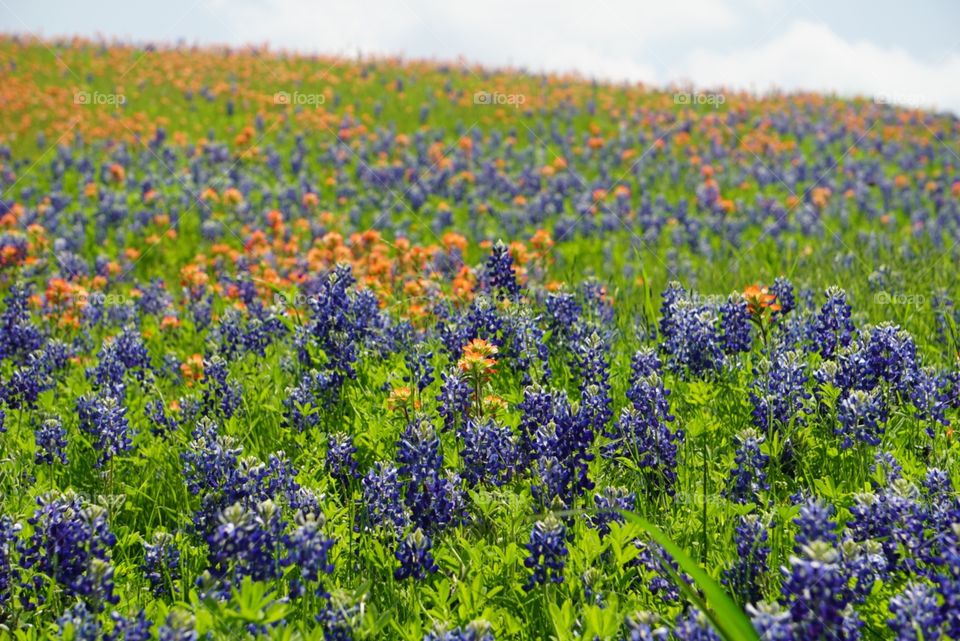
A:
(611, 39)
(604, 38)
(810, 56)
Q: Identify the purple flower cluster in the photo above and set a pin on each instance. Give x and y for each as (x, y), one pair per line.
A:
(689, 332)
(68, 550)
(415, 557)
(51, 440)
(748, 478)
(105, 419)
(547, 552)
(489, 453)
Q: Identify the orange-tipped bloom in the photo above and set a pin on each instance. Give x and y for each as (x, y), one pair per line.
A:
(192, 368)
(478, 358)
(402, 400)
(760, 298)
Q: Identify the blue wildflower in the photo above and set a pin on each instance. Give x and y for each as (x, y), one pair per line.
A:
(415, 557)
(748, 478)
(51, 440)
(161, 563)
(547, 552)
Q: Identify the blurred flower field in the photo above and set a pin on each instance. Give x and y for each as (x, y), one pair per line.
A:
(299, 347)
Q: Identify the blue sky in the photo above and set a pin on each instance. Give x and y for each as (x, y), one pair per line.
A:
(902, 52)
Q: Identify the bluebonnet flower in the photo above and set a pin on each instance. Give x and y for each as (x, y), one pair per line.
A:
(220, 395)
(340, 461)
(473, 631)
(748, 478)
(814, 523)
(655, 561)
(832, 327)
(886, 465)
(418, 451)
(9, 575)
(382, 498)
(779, 392)
(530, 352)
(247, 542)
(308, 550)
(436, 502)
(69, 548)
(692, 342)
(215, 472)
(303, 410)
(161, 422)
(419, 366)
(338, 619)
(596, 301)
(930, 398)
(123, 353)
(889, 355)
(742, 578)
(642, 626)
(18, 336)
(563, 316)
(670, 298)
(782, 288)
(554, 480)
(771, 622)
(860, 415)
(536, 409)
(735, 325)
(609, 503)
(947, 583)
(433, 500)
(161, 563)
(694, 626)
(816, 592)
(593, 365)
(489, 453)
(51, 440)
(80, 624)
(864, 564)
(105, 419)
(179, 626)
(498, 276)
(27, 382)
(338, 325)
(547, 552)
(137, 628)
(415, 557)
(550, 428)
(647, 392)
(453, 402)
(211, 465)
(650, 443)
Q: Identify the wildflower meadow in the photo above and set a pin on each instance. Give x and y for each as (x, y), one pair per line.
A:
(306, 347)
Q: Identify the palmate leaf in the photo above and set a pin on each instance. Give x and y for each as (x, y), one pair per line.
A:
(727, 618)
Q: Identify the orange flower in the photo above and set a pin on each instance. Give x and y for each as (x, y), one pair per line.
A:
(478, 358)
(402, 400)
(760, 298)
(117, 173)
(192, 368)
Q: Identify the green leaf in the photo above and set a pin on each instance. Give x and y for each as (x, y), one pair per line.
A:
(726, 616)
